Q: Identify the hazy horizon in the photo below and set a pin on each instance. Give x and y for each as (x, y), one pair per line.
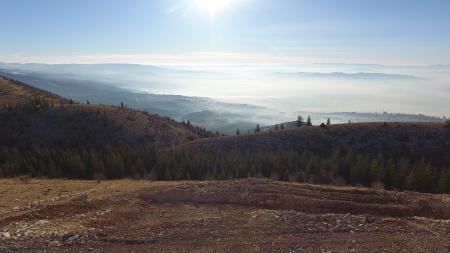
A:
(281, 89)
(287, 56)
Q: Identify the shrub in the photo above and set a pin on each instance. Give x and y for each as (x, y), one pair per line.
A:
(26, 179)
(377, 185)
(340, 181)
(99, 177)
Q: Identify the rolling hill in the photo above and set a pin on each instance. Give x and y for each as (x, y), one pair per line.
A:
(45, 135)
(422, 140)
(13, 92)
(398, 156)
(31, 116)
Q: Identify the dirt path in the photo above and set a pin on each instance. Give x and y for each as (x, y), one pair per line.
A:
(252, 215)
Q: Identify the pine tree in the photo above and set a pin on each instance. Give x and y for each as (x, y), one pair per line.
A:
(238, 132)
(444, 181)
(282, 126)
(257, 129)
(328, 122)
(139, 168)
(308, 122)
(300, 122)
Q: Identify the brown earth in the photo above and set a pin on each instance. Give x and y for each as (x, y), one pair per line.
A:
(252, 215)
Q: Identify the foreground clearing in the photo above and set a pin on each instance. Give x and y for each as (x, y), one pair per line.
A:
(253, 215)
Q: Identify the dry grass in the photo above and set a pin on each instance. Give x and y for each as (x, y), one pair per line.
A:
(12, 92)
(67, 123)
(121, 216)
(40, 192)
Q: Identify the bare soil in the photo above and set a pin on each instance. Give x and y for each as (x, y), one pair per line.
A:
(252, 215)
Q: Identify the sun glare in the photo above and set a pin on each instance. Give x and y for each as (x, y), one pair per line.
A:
(213, 6)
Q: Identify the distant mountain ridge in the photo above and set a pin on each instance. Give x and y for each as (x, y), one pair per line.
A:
(106, 84)
(353, 76)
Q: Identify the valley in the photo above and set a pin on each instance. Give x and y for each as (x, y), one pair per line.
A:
(211, 96)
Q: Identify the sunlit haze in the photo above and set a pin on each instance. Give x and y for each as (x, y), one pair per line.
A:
(285, 55)
(212, 7)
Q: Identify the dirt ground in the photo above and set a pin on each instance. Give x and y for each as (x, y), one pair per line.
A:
(252, 215)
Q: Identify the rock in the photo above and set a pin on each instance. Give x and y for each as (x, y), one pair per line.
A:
(73, 238)
(42, 222)
(54, 244)
(6, 235)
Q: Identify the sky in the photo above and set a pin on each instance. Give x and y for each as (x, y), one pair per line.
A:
(391, 32)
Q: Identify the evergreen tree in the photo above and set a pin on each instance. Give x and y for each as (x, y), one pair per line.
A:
(308, 122)
(444, 181)
(328, 122)
(257, 129)
(238, 132)
(300, 122)
(139, 168)
(282, 126)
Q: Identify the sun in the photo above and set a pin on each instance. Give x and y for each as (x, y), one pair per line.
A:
(211, 7)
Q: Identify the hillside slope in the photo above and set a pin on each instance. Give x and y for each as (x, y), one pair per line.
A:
(31, 116)
(421, 140)
(13, 92)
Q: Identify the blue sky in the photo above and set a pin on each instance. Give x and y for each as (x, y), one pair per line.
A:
(245, 31)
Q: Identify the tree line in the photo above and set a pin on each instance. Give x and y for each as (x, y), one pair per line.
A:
(337, 167)
(299, 123)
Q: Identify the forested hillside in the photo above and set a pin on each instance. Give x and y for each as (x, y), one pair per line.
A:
(49, 136)
(414, 140)
(31, 117)
(404, 156)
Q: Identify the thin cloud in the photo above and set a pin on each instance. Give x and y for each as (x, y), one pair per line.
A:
(159, 59)
(352, 76)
